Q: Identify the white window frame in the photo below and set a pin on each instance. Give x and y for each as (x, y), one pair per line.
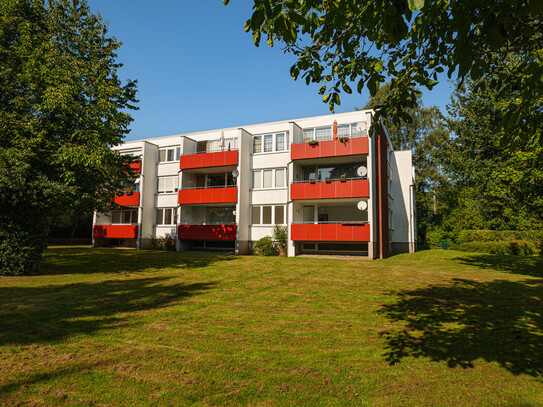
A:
(175, 185)
(173, 216)
(262, 137)
(273, 170)
(261, 207)
(132, 220)
(176, 154)
(352, 126)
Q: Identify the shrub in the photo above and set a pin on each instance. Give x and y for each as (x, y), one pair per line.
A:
(265, 247)
(514, 247)
(162, 243)
(280, 235)
(435, 237)
(169, 244)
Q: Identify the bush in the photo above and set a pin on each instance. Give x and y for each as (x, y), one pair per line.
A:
(514, 247)
(265, 247)
(161, 243)
(280, 235)
(434, 238)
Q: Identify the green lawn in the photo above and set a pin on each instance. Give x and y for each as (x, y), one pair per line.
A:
(111, 327)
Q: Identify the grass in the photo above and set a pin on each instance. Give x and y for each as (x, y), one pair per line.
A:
(122, 328)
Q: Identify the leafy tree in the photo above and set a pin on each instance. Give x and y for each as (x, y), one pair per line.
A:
(62, 107)
(345, 44)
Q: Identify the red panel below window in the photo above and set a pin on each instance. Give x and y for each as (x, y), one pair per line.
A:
(357, 188)
(209, 195)
(205, 160)
(329, 148)
(116, 231)
(331, 232)
(128, 200)
(207, 232)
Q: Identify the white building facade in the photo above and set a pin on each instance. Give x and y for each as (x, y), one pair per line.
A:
(333, 181)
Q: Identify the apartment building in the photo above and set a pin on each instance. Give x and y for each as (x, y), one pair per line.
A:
(335, 183)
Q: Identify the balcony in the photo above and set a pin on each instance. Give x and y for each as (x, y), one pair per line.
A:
(228, 194)
(116, 231)
(207, 232)
(351, 188)
(331, 232)
(329, 148)
(206, 160)
(128, 200)
(136, 167)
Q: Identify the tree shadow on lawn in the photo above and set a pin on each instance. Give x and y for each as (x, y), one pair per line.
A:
(51, 313)
(525, 265)
(499, 321)
(85, 260)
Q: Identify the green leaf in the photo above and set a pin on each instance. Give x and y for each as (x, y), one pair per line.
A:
(322, 90)
(225, 2)
(326, 98)
(347, 89)
(415, 5)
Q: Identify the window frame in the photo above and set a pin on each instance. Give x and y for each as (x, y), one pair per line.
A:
(133, 214)
(173, 212)
(273, 213)
(175, 152)
(175, 184)
(273, 178)
(262, 138)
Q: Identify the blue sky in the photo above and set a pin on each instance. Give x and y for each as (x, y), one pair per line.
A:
(197, 69)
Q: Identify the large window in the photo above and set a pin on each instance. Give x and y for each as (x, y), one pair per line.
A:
(167, 185)
(166, 216)
(169, 154)
(220, 180)
(220, 216)
(272, 178)
(269, 143)
(124, 217)
(268, 215)
(326, 133)
(334, 172)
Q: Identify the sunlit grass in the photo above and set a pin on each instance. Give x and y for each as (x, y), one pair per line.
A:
(124, 327)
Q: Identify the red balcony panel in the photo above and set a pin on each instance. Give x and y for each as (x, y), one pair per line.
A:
(128, 200)
(208, 195)
(116, 231)
(330, 232)
(356, 188)
(136, 167)
(205, 160)
(207, 232)
(329, 148)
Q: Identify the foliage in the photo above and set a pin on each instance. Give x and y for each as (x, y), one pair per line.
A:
(280, 235)
(162, 243)
(514, 247)
(265, 247)
(343, 45)
(63, 107)
(535, 236)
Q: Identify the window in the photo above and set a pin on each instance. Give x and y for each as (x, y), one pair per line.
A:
(220, 216)
(270, 143)
(169, 154)
(167, 185)
(267, 179)
(124, 217)
(333, 172)
(257, 144)
(268, 215)
(221, 180)
(166, 216)
(279, 178)
(325, 133)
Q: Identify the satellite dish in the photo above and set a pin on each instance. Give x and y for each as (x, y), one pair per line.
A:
(362, 171)
(235, 173)
(361, 126)
(362, 205)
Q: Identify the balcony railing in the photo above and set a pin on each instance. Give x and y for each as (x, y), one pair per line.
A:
(345, 231)
(207, 232)
(128, 200)
(216, 194)
(136, 167)
(329, 148)
(336, 188)
(209, 159)
(115, 231)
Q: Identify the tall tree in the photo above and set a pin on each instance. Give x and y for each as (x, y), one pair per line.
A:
(345, 44)
(62, 108)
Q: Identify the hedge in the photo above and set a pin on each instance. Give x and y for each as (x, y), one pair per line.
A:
(514, 247)
(534, 236)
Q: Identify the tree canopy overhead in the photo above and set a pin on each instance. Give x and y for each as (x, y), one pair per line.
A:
(344, 44)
